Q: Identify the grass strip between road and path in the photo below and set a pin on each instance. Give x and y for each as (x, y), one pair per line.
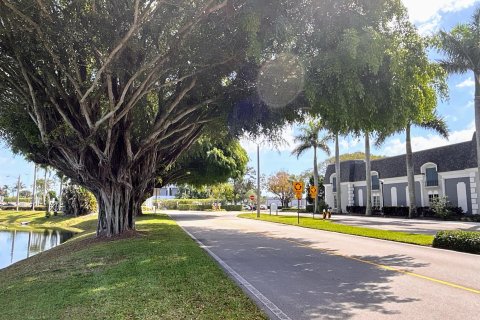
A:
(328, 225)
(158, 272)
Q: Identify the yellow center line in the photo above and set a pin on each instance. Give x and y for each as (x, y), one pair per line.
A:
(381, 266)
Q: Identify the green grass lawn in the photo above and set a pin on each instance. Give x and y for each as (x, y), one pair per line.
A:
(156, 273)
(327, 225)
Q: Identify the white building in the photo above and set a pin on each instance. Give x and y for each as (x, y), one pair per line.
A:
(445, 171)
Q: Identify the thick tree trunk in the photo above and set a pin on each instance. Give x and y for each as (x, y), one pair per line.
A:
(412, 211)
(315, 179)
(337, 174)
(368, 174)
(118, 207)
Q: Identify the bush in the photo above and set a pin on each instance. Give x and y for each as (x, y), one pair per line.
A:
(14, 208)
(78, 201)
(465, 241)
(232, 207)
(356, 209)
(395, 211)
(174, 204)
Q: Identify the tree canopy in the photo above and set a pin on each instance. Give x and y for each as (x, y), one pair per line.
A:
(112, 93)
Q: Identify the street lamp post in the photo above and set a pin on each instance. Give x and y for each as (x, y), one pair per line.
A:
(258, 180)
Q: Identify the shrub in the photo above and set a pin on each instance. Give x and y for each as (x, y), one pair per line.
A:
(174, 204)
(395, 211)
(465, 241)
(78, 201)
(356, 209)
(444, 210)
(232, 207)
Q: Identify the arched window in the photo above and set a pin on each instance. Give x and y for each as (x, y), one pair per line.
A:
(431, 174)
(333, 181)
(375, 181)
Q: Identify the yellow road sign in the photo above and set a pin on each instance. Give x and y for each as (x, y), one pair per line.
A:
(313, 191)
(298, 186)
(298, 195)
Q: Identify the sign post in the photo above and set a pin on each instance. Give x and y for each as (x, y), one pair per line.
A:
(298, 189)
(313, 194)
(252, 198)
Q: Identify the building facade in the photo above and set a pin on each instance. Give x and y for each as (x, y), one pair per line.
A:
(448, 171)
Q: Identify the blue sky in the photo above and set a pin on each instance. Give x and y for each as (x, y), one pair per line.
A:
(429, 16)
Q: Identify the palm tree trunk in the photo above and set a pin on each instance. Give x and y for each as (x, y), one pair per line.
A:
(368, 175)
(315, 178)
(410, 175)
(337, 174)
(477, 124)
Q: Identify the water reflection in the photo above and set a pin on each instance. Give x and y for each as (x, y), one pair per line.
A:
(17, 245)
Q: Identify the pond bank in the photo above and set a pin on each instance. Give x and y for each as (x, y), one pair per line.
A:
(156, 273)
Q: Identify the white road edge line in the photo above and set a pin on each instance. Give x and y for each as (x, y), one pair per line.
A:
(266, 302)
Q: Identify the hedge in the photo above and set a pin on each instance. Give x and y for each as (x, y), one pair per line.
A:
(232, 207)
(465, 241)
(14, 208)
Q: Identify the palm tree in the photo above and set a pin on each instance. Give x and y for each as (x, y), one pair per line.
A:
(462, 49)
(436, 124)
(310, 138)
(5, 190)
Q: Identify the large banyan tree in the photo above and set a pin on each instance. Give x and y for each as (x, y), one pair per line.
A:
(112, 92)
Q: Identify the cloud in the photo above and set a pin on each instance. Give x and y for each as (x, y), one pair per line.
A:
(349, 143)
(466, 84)
(427, 14)
(396, 147)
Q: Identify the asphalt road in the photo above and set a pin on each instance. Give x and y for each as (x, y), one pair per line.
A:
(296, 273)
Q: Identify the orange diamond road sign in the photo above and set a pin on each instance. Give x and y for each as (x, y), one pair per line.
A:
(298, 195)
(298, 186)
(313, 191)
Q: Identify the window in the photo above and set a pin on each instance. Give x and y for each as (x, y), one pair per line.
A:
(376, 201)
(432, 177)
(375, 182)
(334, 201)
(431, 197)
(334, 182)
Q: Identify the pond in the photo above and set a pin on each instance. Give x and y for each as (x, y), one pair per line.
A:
(18, 245)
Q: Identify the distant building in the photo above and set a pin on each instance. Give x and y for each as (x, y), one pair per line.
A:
(445, 171)
(166, 192)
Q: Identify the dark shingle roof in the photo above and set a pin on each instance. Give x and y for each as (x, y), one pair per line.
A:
(453, 157)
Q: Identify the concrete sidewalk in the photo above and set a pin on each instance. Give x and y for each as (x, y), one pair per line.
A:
(397, 224)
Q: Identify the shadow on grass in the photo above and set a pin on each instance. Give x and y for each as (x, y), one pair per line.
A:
(124, 278)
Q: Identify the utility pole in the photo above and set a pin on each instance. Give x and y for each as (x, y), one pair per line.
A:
(34, 196)
(18, 192)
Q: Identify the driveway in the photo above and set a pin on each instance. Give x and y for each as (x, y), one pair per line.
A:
(296, 273)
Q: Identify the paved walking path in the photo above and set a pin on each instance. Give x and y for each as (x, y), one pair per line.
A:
(296, 273)
(398, 224)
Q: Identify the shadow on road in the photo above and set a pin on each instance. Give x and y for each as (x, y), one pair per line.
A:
(308, 283)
